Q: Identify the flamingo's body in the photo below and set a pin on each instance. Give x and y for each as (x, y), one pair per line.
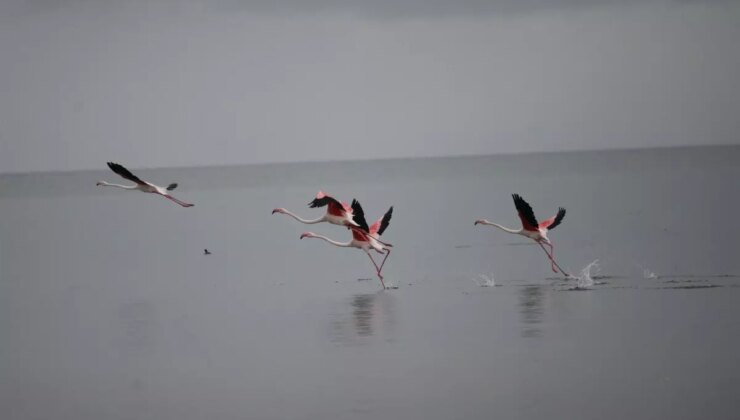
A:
(337, 212)
(140, 185)
(531, 228)
(364, 237)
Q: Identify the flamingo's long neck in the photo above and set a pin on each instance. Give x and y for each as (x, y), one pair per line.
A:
(333, 242)
(308, 222)
(125, 187)
(505, 229)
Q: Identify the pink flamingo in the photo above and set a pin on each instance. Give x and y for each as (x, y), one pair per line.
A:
(337, 213)
(533, 230)
(364, 237)
(141, 185)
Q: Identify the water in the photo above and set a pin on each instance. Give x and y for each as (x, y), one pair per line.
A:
(585, 280)
(110, 310)
(649, 275)
(485, 280)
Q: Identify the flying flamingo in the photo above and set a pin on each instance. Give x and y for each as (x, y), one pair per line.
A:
(141, 185)
(364, 237)
(337, 213)
(531, 229)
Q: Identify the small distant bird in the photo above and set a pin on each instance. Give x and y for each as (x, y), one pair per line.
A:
(337, 213)
(206, 252)
(141, 185)
(533, 230)
(364, 237)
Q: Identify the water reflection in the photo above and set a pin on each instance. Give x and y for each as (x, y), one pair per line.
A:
(363, 318)
(362, 314)
(530, 302)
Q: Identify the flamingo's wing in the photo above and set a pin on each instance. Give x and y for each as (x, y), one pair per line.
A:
(322, 199)
(382, 224)
(359, 235)
(554, 221)
(124, 173)
(529, 222)
(358, 214)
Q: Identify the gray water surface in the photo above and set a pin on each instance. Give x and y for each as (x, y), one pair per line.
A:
(110, 310)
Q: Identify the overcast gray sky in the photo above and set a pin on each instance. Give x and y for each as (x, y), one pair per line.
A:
(180, 83)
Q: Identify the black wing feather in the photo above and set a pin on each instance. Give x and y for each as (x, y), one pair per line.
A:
(358, 215)
(324, 201)
(525, 210)
(558, 219)
(124, 173)
(385, 221)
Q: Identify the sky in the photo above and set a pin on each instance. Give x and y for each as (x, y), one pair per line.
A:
(188, 83)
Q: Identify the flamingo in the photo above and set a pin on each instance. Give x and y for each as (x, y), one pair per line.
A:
(364, 237)
(533, 230)
(141, 185)
(337, 213)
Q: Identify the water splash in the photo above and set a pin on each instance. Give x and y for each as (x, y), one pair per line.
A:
(586, 277)
(648, 275)
(485, 280)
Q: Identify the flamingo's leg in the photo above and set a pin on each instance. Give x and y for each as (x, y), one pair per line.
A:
(387, 254)
(553, 260)
(377, 270)
(182, 203)
(547, 253)
(552, 256)
(552, 253)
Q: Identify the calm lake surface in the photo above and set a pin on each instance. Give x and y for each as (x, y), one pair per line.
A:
(110, 310)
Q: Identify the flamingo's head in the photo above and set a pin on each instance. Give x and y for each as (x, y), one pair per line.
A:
(100, 183)
(280, 210)
(308, 235)
(481, 222)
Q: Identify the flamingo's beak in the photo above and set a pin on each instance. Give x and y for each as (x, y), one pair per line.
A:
(476, 222)
(304, 235)
(276, 211)
(98, 183)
